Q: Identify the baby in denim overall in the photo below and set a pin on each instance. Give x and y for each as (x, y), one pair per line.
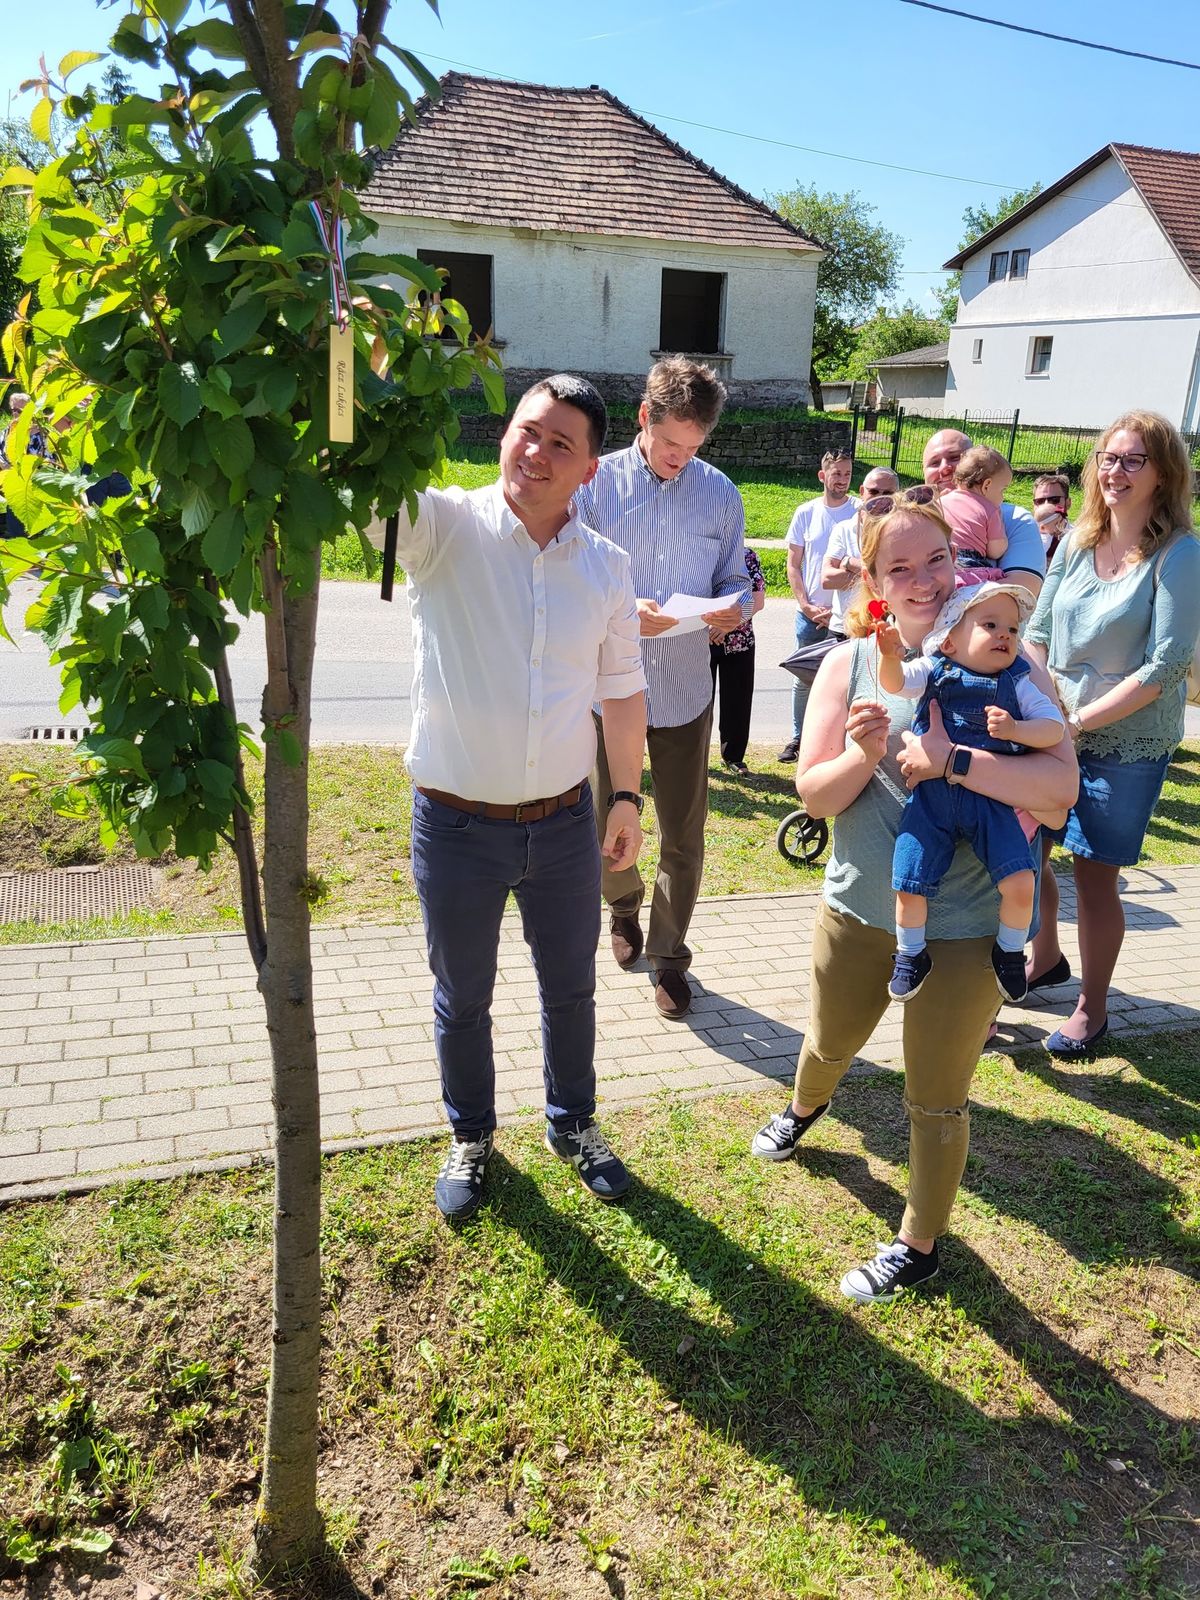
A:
(972, 668)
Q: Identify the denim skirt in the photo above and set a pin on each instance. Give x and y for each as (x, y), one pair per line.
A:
(1116, 801)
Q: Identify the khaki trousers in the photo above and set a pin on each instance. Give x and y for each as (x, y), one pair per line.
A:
(679, 778)
(944, 1030)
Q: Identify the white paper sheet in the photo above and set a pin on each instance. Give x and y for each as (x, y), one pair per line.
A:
(689, 608)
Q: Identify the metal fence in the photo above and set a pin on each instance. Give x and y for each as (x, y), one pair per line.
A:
(897, 440)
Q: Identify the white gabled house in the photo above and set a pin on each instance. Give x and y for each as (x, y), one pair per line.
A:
(1087, 301)
(589, 241)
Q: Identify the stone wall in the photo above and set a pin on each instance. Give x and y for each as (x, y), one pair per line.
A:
(786, 445)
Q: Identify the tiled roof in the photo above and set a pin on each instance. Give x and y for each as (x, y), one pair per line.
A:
(521, 155)
(928, 355)
(1167, 180)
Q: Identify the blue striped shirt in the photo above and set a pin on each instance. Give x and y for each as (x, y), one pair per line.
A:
(683, 535)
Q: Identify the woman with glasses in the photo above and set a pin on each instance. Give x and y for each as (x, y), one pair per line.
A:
(1116, 623)
(857, 761)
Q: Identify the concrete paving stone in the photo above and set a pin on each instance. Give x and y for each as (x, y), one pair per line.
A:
(17, 1144)
(44, 1033)
(83, 1135)
(622, 1090)
(147, 1060)
(18, 1055)
(380, 1119)
(360, 1099)
(20, 1119)
(103, 1083)
(173, 1102)
(224, 1055)
(160, 1080)
(212, 1146)
(61, 1071)
(49, 1008)
(124, 1161)
(31, 1094)
(213, 1119)
(248, 1033)
(37, 1168)
(11, 1036)
(231, 1094)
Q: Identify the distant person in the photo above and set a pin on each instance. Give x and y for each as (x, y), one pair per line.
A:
(1052, 510)
(682, 524)
(972, 508)
(808, 538)
(1116, 625)
(732, 657)
(841, 570)
(523, 618)
(1024, 561)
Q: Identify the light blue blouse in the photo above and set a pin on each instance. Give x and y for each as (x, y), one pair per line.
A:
(1143, 624)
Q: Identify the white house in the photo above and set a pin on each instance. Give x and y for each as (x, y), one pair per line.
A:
(916, 379)
(589, 241)
(1087, 301)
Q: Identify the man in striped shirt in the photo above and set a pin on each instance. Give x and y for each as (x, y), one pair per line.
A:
(683, 526)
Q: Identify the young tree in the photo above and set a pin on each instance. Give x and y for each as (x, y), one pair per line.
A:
(860, 269)
(185, 336)
(978, 220)
(891, 331)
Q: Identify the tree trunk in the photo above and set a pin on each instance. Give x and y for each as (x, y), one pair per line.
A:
(814, 385)
(288, 1529)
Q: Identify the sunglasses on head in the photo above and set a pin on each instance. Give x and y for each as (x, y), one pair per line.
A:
(879, 505)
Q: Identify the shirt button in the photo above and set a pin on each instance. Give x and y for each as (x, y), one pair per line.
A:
(541, 611)
(536, 713)
(537, 661)
(529, 763)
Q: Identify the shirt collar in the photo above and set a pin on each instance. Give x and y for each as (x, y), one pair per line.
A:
(508, 523)
(635, 450)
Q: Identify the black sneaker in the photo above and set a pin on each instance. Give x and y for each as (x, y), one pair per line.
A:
(895, 1268)
(603, 1173)
(459, 1187)
(908, 974)
(778, 1140)
(1009, 967)
(790, 751)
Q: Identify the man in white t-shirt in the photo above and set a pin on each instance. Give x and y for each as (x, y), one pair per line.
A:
(807, 540)
(842, 567)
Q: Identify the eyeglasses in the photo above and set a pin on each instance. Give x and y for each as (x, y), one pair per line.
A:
(880, 504)
(1107, 461)
(1048, 500)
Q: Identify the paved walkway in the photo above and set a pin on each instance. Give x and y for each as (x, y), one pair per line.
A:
(149, 1057)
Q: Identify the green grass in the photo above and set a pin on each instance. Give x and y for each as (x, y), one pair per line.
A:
(359, 840)
(670, 1397)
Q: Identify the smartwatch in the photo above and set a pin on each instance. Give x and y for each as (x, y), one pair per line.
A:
(637, 800)
(960, 764)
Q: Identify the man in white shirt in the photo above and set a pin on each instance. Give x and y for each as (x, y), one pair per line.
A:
(807, 540)
(841, 571)
(522, 618)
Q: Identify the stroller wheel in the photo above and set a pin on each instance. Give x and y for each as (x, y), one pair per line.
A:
(801, 837)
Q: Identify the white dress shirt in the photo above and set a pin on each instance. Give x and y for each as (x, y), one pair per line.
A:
(511, 646)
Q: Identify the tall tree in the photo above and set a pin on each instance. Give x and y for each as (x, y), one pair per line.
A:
(860, 269)
(891, 331)
(978, 220)
(186, 339)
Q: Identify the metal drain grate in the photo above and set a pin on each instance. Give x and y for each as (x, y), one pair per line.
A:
(73, 894)
(44, 735)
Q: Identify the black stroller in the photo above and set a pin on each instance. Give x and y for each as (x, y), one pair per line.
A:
(800, 838)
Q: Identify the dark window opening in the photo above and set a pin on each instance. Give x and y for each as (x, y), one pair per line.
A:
(1020, 264)
(999, 266)
(470, 283)
(690, 314)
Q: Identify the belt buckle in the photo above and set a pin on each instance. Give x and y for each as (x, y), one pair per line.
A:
(520, 808)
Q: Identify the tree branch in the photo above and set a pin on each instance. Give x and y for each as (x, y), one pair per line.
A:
(283, 74)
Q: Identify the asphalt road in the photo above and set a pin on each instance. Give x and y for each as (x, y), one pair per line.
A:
(363, 673)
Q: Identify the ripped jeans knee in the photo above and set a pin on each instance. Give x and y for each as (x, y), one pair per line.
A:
(950, 1124)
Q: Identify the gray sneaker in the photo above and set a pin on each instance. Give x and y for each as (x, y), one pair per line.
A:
(459, 1188)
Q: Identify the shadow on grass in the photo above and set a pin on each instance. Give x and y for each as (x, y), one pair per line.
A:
(806, 1387)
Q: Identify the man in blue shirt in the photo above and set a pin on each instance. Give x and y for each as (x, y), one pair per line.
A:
(1024, 561)
(683, 526)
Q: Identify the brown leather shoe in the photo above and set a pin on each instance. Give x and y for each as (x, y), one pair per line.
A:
(627, 939)
(672, 993)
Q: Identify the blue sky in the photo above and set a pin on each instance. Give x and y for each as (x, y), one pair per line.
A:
(875, 80)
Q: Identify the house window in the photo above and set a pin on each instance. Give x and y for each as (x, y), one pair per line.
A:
(1040, 348)
(999, 266)
(977, 350)
(690, 311)
(470, 283)
(1019, 265)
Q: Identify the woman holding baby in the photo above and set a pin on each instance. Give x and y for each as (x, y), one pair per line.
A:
(858, 758)
(1116, 624)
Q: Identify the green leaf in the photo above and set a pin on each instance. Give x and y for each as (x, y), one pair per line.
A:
(179, 392)
(196, 511)
(364, 265)
(40, 119)
(317, 41)
(142, 550)
(221, 238)
(493, 388)
(15, 177)
(94, 1542)
(239, 325)
(290, 748)
(220, 39)
(74, 59)
(382, 121)
(279, 389)
(231, 443)
(222, 546)
(121, 754)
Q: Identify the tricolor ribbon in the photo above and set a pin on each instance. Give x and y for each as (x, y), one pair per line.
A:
(332, 238)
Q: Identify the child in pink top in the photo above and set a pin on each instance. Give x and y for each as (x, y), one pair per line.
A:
(972, 508)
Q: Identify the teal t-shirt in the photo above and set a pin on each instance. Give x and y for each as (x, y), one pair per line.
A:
(858, 879)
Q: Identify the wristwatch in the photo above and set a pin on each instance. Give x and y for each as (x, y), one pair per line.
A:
(1076, 727)
(960, 764)
(637, 800)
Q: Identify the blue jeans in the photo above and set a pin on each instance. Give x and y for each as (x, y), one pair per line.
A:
(464, 867)
(806, 633)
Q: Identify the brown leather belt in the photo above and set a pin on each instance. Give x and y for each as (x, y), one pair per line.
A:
(527, 811)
